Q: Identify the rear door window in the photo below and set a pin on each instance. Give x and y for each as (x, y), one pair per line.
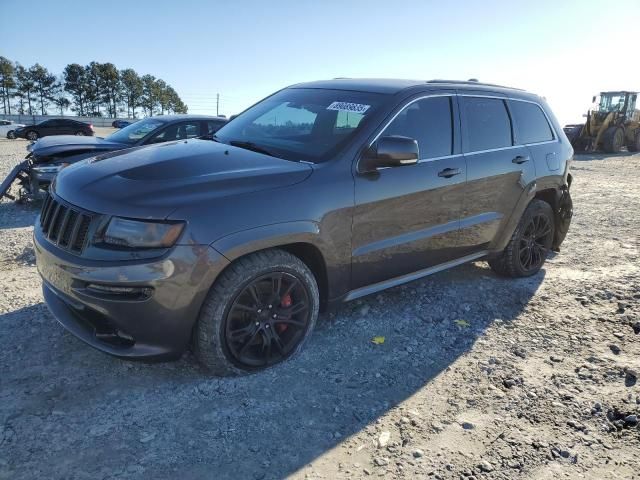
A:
(486, 123)
(532, 124)
(177, 131)
(429, 122)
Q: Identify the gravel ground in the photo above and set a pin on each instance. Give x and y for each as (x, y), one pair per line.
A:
(478, 377)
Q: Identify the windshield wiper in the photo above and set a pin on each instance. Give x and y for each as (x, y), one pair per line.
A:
(251, 146)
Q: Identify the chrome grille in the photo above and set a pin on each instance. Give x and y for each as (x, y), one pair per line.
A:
(64, 225)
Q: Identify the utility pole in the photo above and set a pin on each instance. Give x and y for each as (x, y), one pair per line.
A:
(217, 104)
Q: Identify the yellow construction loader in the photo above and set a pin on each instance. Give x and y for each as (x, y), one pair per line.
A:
(613, 123)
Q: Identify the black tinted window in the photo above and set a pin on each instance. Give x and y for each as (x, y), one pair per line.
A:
(429, 122)
(532, 124)
(487, 123)
(177, 131)
(213, 126)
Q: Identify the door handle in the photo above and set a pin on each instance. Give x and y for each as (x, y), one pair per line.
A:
(520, 159)
(449, 172)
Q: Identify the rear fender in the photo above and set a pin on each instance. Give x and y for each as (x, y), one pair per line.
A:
(502, 239)
(563, 215)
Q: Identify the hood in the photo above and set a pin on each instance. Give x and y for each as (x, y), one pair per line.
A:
(152, 182)
(67, 145)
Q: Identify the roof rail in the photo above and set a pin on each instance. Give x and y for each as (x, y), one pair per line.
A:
(471, 81)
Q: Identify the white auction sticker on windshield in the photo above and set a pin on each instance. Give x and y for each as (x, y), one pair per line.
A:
(348, 107)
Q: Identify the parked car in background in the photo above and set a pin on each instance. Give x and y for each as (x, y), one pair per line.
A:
(54, 126)
(321, 193)
(7, 128)
(48, 155)
(120, 123)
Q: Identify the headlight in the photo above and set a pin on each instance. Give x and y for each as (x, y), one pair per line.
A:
(141, 234)
(49, 168)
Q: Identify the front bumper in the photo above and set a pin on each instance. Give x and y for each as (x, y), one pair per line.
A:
(154, 325)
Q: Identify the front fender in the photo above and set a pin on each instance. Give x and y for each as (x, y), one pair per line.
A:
(335, 257)
(238, 244)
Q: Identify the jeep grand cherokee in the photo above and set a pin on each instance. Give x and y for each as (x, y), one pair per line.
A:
(320, 193)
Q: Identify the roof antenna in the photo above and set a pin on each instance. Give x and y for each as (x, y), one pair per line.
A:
(473, 80)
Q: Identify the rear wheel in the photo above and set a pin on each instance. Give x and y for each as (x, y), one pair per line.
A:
(527, 250)
(259, 313)
(32, 135)
(11, 135)
(80, 133)
(613, 140)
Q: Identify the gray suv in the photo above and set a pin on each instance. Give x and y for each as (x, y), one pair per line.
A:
(321, 193)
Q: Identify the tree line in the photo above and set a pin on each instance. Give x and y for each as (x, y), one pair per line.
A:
(94, 90)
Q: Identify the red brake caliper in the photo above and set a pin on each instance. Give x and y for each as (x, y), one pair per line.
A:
(286, 302)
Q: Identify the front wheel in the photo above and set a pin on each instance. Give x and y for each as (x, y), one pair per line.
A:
(527, 250)
(11, 135)
(613, 140)
(259, 312)
(32, 135)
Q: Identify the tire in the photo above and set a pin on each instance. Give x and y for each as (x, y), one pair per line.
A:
(510, 262)
(635, 145)
(80, 133)
(228, 305)
(32, 135)
(11, 135)
(613, 140)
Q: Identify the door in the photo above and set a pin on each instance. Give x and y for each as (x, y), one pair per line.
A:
(532, 128)
(407, 218)
(498, 171)
(69, 127)
(46, 128)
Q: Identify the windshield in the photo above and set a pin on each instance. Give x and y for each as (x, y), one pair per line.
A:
(134, 132)
(301, 123)
(612, 102)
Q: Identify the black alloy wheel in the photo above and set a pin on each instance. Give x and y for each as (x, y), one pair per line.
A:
(267, 320)
(530, 242)
(535, 242)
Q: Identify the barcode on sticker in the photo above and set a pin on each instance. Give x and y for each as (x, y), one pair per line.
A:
(348, 107)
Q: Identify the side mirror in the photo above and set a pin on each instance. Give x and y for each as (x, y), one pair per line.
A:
(391, 151)
(593, 100)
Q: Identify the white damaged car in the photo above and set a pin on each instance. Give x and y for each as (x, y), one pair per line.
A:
(7, 127)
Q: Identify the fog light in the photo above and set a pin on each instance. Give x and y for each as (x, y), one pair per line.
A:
(139, 292)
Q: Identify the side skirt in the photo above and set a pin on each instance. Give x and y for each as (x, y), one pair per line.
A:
(409, 277)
